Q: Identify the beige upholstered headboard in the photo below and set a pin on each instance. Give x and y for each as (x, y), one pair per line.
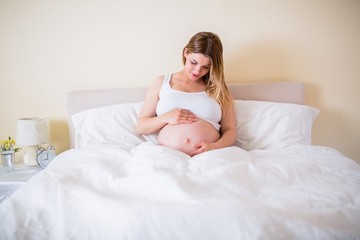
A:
(288, 92)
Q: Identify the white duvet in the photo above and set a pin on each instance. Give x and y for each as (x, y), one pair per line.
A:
(153, 192)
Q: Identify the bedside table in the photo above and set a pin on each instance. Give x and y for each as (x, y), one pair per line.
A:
(9, 182)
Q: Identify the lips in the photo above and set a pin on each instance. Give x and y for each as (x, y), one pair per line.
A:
(195, 75)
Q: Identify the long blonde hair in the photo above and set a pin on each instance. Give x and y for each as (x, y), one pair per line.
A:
(209, 44)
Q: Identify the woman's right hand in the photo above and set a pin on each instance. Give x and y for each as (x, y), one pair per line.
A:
(179, 116)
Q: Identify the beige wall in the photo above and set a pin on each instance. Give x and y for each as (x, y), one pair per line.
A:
(48, 48)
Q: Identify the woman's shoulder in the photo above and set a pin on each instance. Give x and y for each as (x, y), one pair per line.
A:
(158, 81)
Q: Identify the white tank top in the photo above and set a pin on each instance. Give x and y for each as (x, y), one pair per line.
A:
(199, 103)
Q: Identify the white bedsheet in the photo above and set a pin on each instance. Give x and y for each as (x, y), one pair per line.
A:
(152, 192)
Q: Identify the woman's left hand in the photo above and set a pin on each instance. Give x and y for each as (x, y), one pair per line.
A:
(202, 147)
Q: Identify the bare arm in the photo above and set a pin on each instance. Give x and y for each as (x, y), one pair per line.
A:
(228, 129)
(149, 122)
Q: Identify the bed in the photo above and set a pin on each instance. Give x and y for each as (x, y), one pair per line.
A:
(114, 184)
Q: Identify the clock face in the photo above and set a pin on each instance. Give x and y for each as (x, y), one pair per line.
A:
(45, 156)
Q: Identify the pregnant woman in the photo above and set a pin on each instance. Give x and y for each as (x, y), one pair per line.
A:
(192, 110)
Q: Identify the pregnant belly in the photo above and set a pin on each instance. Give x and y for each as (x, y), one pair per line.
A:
(185, 137)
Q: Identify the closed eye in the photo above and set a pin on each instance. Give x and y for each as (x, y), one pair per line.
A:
(193, 62)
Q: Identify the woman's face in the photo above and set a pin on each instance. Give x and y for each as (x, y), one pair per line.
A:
(196, 65)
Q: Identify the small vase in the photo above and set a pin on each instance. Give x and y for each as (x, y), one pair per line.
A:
(8, 160)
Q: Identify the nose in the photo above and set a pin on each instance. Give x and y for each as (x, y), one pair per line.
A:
(197, 69)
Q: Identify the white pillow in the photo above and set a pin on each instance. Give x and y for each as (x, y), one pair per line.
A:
(112, 125)
(269, 125)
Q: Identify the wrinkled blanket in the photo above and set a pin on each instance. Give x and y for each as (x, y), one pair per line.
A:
(153, 192)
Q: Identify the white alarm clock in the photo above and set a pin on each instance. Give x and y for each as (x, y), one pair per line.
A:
(45, 156)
